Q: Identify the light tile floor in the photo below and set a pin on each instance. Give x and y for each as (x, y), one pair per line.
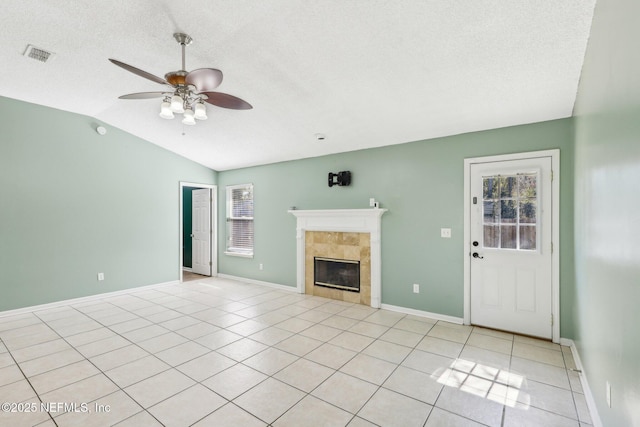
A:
(218, 352)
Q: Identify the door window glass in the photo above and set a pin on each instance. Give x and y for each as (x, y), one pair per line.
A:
(509, 211)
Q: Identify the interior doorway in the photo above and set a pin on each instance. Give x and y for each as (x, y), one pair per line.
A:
(198, 242)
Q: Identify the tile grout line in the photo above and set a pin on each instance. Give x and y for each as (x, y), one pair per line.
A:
(504, 406)
(573, 396)
(324, 342)
(299, 357)
(443, 387)
(154, 354)
(28, 382)
(307, 337)
(257, 301)
(353, 415)
(395, 369)
(281, 369)
(175, 367)
(94, 365)
(102, 372)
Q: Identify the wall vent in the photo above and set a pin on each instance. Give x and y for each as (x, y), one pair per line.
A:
(38, 54)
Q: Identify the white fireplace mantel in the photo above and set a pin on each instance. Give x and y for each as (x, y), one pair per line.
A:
(344, 220)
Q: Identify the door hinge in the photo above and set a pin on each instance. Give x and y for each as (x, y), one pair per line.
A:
(552, 320)
(209, 262)
(551, 247)
(551, 176)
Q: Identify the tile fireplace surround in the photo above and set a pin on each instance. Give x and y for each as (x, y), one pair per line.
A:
(341, 246)
(338, 229)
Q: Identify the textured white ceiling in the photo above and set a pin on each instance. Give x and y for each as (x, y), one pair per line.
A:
(365, 73)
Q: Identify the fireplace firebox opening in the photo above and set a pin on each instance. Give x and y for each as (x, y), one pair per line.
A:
(337, 273)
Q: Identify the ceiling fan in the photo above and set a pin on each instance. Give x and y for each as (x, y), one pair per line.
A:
(188, 91)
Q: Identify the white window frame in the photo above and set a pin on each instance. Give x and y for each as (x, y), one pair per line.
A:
(240, 252)
(517, 224)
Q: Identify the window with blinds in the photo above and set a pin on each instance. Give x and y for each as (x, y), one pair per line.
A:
(240, 220)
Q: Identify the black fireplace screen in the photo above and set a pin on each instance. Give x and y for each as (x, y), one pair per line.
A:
(337, 273)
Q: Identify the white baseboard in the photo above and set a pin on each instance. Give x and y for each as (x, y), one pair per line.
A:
(591, 403)
(259, 282)
(189, 269)
(567, 342)
(55, 304)
(420, 313)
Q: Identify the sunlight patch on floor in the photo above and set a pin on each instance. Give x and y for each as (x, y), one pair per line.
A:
(484, 381)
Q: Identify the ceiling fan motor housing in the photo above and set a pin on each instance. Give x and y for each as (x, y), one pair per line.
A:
(176, 78)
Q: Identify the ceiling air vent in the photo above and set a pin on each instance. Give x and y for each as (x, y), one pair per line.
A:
(38, 54)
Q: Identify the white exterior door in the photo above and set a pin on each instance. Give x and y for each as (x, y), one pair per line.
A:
(201, 231)
(511, 245)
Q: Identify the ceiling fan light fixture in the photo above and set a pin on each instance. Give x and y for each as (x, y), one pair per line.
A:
(177, 104)
(200, 111)
(190, 89)
(189, 118)
(165, 110)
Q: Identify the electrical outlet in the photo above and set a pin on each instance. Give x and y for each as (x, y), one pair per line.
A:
(100, 276)
(608, 394)
(445, 233)
(372, 202)
(416, 288)
(261, 266)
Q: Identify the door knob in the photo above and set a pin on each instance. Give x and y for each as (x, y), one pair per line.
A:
(477, 255)
(192, 235)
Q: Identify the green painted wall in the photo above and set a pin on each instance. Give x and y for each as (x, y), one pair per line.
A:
(74, 203)
(607, 225)
(421, 183)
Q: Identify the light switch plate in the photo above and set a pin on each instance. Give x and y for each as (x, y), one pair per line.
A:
(445, 233)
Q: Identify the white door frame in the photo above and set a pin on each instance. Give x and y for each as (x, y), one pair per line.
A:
(214, 225)
(555, 232)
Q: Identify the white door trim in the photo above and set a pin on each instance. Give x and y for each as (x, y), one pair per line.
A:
(214, 226)
(555, 233)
